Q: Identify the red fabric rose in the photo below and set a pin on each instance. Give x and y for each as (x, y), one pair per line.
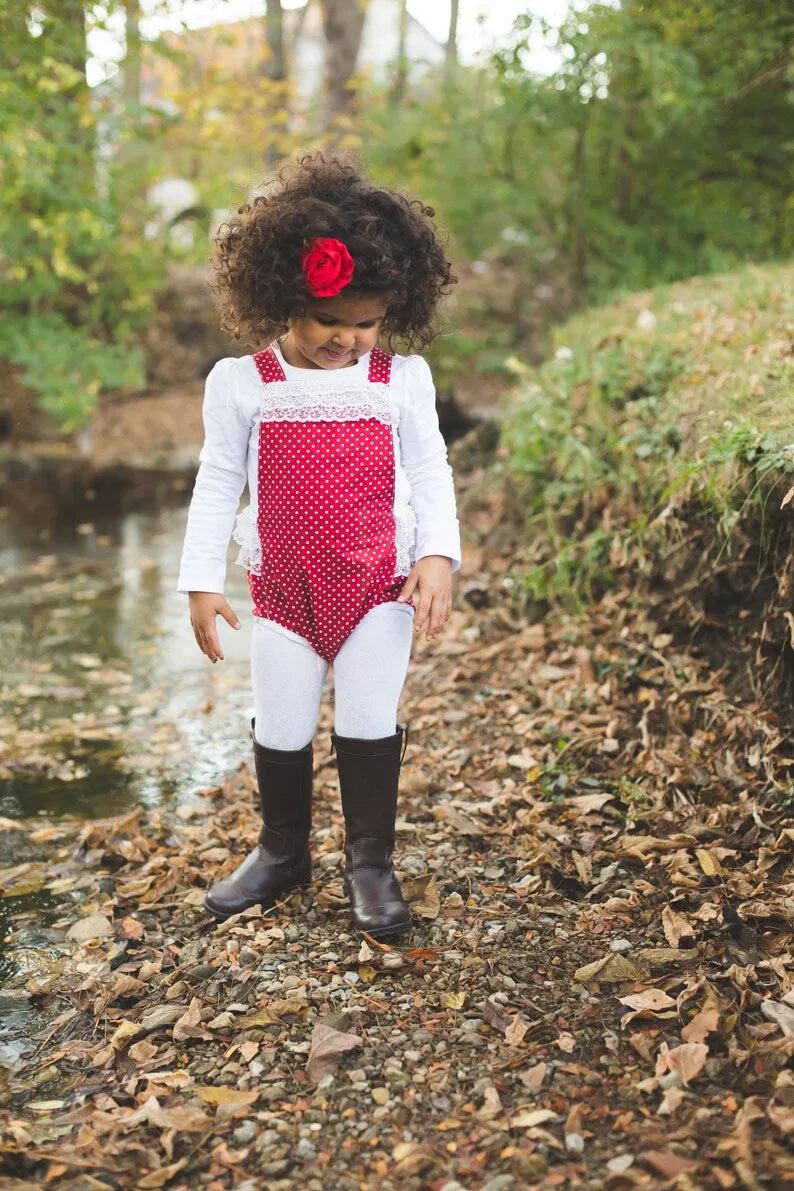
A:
(327, 267)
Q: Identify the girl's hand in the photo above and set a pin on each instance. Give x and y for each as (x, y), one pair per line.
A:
(204, 607)
(431, 578)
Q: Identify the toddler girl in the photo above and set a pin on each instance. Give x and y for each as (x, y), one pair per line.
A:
(351, 534)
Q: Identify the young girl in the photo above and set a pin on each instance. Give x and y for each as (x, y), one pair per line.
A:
(351, 534)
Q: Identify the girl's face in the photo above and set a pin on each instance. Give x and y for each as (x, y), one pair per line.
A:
(334, 333)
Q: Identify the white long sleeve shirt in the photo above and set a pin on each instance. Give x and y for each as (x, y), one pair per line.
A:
(235, 397)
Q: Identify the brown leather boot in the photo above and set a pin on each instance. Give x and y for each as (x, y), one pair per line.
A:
(281, 860)
(369, 775)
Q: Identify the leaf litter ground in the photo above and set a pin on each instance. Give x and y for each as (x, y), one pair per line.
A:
(598, 990)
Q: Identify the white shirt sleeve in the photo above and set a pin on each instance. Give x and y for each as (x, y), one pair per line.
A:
(219, 484)
(424, 457)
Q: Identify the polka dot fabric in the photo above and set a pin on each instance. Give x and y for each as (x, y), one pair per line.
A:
(325, 519)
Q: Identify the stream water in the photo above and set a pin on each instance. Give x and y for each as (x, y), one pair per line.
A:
(105, 699)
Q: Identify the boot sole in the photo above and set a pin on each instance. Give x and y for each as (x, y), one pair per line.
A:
(381, 932)
(222, 915)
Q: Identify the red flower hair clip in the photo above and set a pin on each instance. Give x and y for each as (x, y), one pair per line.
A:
(327, 267)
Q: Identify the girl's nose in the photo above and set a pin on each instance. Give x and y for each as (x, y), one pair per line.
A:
(345, 339)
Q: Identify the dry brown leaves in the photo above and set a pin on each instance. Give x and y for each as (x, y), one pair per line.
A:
(598, 990)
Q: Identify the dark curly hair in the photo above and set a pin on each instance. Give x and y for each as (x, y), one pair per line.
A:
(392, 238)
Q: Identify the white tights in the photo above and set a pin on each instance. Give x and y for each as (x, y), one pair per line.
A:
(369, 672)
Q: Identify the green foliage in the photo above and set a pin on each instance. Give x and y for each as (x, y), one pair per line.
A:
(668, 405)
(659, 148)
(78, 278)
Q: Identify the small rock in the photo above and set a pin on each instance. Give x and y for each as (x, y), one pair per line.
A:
(621, 945)
(245, 1133)
(380, 1095)
(305, 1148)
(620, 1164)
(574, 1143)
(391, 960)
(502, 1182)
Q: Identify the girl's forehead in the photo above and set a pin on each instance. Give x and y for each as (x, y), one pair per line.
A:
(350, 310)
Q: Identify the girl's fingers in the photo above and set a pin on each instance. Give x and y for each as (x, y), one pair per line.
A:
(423, 611)
(228, 615)
(408, 589)
(215, 645)
(208, 642)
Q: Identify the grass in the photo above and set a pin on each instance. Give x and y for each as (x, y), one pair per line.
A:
(661, 419)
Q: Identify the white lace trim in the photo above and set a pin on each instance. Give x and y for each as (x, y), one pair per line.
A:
(246, 534)
(290, 401)
(405, 538)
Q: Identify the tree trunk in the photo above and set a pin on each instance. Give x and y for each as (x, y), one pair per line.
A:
(452, 37)
(577, 205)
(276, 65)
(343, 23)
(132, 60)
(401, 65)
(274, 72)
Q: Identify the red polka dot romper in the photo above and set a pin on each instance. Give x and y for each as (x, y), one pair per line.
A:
(325, 517)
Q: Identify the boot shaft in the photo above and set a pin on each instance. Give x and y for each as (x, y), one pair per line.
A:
(369, 778)
(284, 779)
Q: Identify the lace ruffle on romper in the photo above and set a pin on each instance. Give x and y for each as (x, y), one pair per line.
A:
(331, 397)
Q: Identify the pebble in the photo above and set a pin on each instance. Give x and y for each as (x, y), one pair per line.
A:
(620, 1164)
(381, 1095)
(501, 1182)
(245, 1133)
(574, 1143)
(621, 945)
(305, 1148)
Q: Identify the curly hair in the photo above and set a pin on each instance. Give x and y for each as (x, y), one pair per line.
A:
(393, 240)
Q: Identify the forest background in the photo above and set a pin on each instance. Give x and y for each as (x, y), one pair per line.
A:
(658, 148)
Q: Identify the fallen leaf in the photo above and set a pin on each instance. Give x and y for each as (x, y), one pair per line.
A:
(130, 928)
(533, 1077)
(163, 1015)
(516, 1030)
(423, 894)
(668, 1163)
(158, 1178)
(95, 926)
(610, 969)
(709, 862)
(229, 1097)
(589, 802)
(453, 1000)
(675, 927)
(189, 1024)
(536, 1116)
(327, 1047)
(702, 1024)
(141, 1052)
(123, 1033)
(272, 1013)
(653, 999)
(687, 1060)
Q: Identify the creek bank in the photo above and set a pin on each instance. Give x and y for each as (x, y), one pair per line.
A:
(597, 986)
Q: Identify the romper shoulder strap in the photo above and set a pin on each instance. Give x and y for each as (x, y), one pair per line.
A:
(268, 366)
(380, 366)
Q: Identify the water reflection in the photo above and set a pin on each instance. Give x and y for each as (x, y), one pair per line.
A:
(105, 699)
